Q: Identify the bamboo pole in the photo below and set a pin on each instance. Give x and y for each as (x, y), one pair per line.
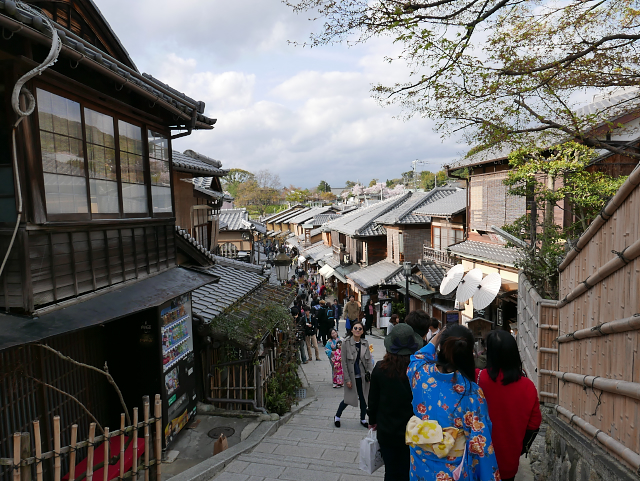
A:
(56, 448)
(16, 456)
(121, 446)
(25, 453)
(146, 437)
(38, 444)
(607, 441)
(134, 472)
(612, 327)
(105, 463)
(72, 455)
(158, 415)
(92, 433)
(615, 386)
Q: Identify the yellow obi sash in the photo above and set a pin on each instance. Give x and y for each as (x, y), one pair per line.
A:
(430, 436)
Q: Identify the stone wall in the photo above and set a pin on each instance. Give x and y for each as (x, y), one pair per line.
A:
(563, 453)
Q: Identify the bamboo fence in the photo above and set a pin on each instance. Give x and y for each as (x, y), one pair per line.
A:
(588, 342)
(28, 460)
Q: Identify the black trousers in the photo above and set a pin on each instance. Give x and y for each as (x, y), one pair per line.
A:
(396, 462)
(363, 401)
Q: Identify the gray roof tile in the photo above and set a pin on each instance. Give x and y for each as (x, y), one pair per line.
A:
(277, 215)
(447, 206)
(361, 222)
(404, 213)
(308, 214)
(374, 274)
(196, 163)
(236, 219)
(433, 273)
(492, 253)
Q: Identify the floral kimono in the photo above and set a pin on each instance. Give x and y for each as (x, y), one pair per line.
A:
(338, 376)
(458, 410)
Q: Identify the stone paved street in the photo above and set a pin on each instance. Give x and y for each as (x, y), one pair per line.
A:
(309, 447)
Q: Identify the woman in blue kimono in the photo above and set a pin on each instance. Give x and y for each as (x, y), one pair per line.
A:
(450, 432)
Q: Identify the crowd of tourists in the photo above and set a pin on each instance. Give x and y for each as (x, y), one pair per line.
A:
(441, 412)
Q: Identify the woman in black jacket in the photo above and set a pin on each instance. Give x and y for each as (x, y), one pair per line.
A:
(390, 400)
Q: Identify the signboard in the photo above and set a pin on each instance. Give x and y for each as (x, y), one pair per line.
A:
(452, 317)
(499, 318)
(385, 314)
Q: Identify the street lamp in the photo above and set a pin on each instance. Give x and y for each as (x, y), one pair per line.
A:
(406, 270)
(282, 263)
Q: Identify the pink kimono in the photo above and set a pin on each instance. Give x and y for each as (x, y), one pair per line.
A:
(336, 359)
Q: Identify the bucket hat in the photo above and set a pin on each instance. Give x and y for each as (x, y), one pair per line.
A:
(402, 340)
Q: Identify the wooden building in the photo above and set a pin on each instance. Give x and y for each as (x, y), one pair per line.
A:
(89, 198)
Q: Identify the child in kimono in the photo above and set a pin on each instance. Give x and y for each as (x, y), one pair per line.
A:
(336, 359)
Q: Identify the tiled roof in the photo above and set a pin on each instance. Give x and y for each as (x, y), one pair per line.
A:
(217, 259)
(360, 222)
(307, 214)
(277, 215)
(492, 253)
(213, 299)
(374, 274)
(433, 273)
(331, 261)
(324, 218)
(447, 206)
(20, 20)
(317, 251)
(316, 231)
(404, 213)
(196, 163)
(236, 219)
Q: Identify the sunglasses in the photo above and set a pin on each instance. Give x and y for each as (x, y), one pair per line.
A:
(357, 329)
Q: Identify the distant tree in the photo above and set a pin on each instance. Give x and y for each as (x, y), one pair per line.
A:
(323, 186)
(427, 179)
(234, 178)
(349, 184)
(373, 182)
(299, 196)
(259, 192)
(328, 196)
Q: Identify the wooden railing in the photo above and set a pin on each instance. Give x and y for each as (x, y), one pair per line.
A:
(438, 256)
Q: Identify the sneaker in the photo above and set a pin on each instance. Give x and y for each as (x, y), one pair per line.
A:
(364, 423)
(335, 385)
(336, 421)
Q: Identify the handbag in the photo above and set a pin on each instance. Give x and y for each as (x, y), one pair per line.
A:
(370, 456)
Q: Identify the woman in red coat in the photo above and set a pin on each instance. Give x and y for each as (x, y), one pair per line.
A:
(512, 400)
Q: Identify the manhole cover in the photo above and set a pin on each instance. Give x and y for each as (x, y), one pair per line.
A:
(216, 432)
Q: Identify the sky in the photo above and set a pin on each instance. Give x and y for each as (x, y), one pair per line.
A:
(304, 114)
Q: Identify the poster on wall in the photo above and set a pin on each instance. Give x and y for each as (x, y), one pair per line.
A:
(383, 294)
(385, 314)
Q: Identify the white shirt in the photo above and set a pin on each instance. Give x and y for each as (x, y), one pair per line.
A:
(431, 335)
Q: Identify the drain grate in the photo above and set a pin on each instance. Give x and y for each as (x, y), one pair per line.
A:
(301, 393)
(216, 432)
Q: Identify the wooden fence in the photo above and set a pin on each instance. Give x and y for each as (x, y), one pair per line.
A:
(243, 384)
(588, 342)
(85, 459)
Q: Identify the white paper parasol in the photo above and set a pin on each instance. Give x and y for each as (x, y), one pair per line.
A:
(469, 285)
(451, 280)
(487, 291)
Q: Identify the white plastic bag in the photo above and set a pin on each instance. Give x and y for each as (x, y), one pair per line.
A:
(370, 457)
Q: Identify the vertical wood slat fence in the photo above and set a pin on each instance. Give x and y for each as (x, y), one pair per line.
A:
(242, 384)
(28, 460)
(538, 321)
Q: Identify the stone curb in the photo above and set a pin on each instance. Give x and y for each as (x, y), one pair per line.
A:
(206, 470)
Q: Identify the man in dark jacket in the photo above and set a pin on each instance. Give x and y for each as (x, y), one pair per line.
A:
(337, 313)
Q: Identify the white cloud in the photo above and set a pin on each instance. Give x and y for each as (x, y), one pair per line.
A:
(305, 114)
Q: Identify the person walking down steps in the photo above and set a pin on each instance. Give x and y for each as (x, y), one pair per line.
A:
(356, 366)
(351, 313)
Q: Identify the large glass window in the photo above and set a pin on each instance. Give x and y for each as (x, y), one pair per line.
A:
(159, 169)
(134, 191)
(62, 154)
(101, 153)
